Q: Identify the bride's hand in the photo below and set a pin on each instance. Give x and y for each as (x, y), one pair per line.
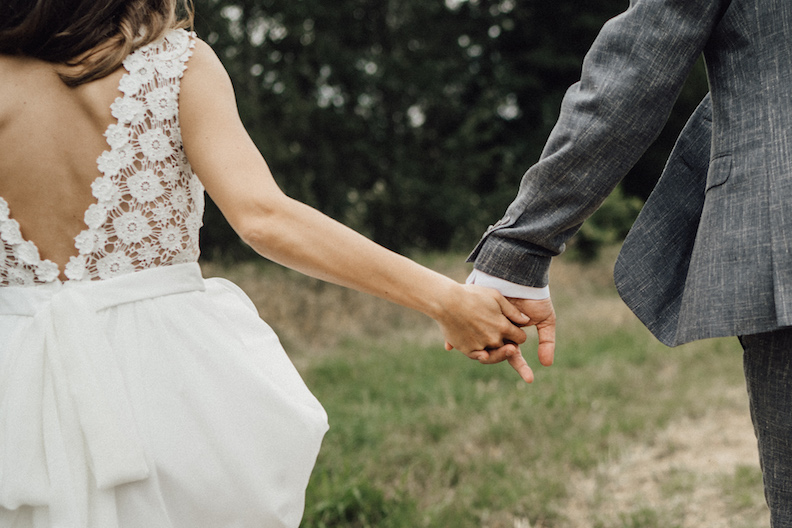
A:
(475, 319)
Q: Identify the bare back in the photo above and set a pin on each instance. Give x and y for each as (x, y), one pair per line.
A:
(50, 138)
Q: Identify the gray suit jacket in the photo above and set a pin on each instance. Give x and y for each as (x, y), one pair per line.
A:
(730, 270)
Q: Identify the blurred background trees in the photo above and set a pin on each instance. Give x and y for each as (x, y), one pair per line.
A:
(413, 120)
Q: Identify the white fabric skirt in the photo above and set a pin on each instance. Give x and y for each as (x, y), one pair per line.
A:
(153, 400)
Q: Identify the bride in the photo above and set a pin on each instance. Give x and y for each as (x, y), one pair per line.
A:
(134, 393)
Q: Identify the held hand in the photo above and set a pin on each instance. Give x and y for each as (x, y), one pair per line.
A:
(541, 315)
(476, 319)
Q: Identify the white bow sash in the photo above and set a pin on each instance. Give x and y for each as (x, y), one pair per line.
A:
(67, 428)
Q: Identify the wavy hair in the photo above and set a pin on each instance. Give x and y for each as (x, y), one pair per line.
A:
(91, 37)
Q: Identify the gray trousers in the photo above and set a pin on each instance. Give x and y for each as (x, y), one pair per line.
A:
(767, 361)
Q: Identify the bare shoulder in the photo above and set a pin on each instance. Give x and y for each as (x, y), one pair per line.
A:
(204, 66)
(206, 86)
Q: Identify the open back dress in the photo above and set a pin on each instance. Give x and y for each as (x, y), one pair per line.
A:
(135, 393)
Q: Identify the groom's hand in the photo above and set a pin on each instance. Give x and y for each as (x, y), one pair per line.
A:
(542, 316)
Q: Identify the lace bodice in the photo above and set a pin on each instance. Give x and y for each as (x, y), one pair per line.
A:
(149, 203)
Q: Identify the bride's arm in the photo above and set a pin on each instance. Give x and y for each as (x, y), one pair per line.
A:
(289, 232)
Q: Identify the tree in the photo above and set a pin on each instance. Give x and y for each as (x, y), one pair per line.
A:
(410, 120)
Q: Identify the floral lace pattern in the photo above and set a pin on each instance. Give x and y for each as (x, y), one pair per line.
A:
(149, 204)
(20, 264)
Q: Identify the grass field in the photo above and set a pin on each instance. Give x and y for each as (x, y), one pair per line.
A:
(621, 432)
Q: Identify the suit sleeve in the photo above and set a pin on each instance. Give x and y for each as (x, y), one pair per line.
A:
(630, 79)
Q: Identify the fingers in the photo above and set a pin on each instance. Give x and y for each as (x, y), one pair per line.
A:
(478, 355)
(543, 317)
(509, 352)
(518, 363)
(508, 330)
(546, 349)
(490, 356)
(513, 334)
(512, 312)
(496, 355)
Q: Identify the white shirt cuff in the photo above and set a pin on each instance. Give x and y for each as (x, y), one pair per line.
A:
(508, 289)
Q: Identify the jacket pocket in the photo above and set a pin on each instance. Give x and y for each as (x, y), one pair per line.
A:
(719, 170)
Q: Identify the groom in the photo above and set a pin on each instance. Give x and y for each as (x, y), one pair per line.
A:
(711, 253)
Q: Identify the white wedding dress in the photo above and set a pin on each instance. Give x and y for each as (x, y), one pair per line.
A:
(136, 394)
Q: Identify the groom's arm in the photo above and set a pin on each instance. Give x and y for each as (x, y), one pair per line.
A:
(630, 79)
(664, 231)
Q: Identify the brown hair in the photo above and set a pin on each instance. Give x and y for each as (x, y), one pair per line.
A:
(92, 37)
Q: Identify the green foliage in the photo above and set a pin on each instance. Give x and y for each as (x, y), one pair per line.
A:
(409, 120)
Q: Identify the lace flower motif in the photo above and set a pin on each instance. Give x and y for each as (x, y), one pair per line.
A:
(114, 161)
(131, 227)
(149, 204)
(147, 255)
(115, 264)
(170, 69)
(90, 240)
(135, 62)
(155, 145)
(180, 198)
(106, 191)
(27, 253)
(117, 136)
(10, 233)
(20, 276)
(128, 110)
(95, 216)
(171, 238)
(47, 271)
(20, 263)
(162, 103)
(76, 269)
(144, 186)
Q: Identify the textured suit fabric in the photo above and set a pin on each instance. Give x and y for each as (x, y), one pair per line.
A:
(738, 279)
(767, 362)
(664, 234)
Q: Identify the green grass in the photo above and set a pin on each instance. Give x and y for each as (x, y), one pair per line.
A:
(448, 441)
(739, 486)
(421, 437)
